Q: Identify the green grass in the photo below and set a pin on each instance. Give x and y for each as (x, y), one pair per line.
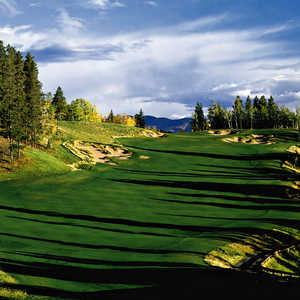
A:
(143, 223)
(96, 132)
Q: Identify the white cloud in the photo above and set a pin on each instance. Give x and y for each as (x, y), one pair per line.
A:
(224, 86)
(151, 3)
(9, 7)
(106, 4)
(68, 23)
(35, 4)
(21, 36)
(164, 71)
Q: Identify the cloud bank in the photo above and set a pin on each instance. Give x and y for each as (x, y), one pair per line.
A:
(162, 70)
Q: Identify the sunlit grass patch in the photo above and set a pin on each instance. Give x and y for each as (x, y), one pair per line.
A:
(10, 293)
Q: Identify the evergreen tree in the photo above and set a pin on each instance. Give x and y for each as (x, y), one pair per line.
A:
(238, 112)
(8, 109)
(262, 113)
(3, 58)
(249, 113)
(256, 111)
(110, 117)
(198, 122)
(273, 113)
(32, 88)
(140, 119)
(60, 104)
(19, 107)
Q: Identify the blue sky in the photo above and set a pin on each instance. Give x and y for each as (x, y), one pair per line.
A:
(160, 55)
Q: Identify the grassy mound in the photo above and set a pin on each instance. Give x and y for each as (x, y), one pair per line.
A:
(284, 263)
(58, 153)
(272, 252)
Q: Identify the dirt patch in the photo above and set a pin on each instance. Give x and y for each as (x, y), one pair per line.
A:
(253, 139)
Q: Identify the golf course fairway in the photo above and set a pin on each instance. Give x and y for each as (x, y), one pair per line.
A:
(143, 229)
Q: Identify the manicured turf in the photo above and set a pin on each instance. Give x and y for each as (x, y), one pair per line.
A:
(141, 230)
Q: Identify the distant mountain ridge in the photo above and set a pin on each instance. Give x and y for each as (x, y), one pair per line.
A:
(170, 125)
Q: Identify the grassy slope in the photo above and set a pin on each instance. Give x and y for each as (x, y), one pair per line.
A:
(97, 132)
(55, 160)
(143, 222)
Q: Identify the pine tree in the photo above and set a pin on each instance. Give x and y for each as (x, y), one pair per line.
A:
(198, 122)
(32, 87)
(140, 119)
(19, 127)
(249, 113)
(8, 110)
(262, 113)
(60, 104)
(256, 111)
(238, 112)
(3, 58)
(110, 117)
(273, 113)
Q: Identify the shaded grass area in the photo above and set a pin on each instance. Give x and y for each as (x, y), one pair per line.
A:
(141, 230)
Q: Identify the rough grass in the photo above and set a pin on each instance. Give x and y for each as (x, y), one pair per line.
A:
(97, 132)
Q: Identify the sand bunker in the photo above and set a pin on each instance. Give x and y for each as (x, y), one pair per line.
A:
(294, 149)
(152, 134)
(90, 154)
(144, 157)
(253, 139)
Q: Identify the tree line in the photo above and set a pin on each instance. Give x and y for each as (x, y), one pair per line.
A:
(82, 110)
(26, 113)
(257, 114)
(20, 98)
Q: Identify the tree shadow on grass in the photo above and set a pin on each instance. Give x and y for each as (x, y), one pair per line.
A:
(263, 190)
(233, 206)
(209, 174)
(244, 157)
(90, 227)
(241, 199)
(185, 283)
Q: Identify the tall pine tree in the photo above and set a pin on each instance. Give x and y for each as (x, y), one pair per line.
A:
(19, 128)
(32, 88)
(140, 119)
(273, 113)
(249, 113)
(8, 110)
(198, 122)
(60, 104)
(238, 112)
